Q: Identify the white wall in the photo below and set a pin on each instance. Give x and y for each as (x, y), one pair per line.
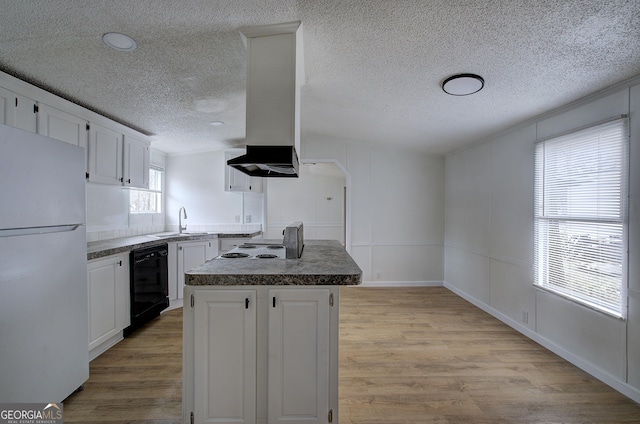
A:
(489, 244)
(396, 208)
(108, 211)
(196, 181)
(316, 198)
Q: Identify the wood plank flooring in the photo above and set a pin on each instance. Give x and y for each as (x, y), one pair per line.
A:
(137, 381)
(407, 355)
(425, 355)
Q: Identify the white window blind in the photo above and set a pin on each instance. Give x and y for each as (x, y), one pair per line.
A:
(580, 216)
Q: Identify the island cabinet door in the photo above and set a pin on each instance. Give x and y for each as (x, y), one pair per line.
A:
(299, 346)
(225, 356)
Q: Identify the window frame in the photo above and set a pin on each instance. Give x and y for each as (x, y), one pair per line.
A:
(160, 192)
(543, 240)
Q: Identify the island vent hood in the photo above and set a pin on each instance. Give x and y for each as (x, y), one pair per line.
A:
(274, 75)
(267, 161)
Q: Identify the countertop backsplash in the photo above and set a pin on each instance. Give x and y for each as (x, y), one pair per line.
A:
(122, 232)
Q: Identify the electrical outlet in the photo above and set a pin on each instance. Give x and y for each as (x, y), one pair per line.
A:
(247, 219)
(525, 317)
(378, 275)
(237, 218)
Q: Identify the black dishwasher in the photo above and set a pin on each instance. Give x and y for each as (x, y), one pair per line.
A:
(149, 284)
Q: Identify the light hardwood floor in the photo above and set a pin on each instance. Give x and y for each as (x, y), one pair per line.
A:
(407, 355)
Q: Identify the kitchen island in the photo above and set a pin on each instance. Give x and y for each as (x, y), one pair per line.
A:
(260, 339)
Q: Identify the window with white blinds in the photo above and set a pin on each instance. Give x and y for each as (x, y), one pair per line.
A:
(580, 216)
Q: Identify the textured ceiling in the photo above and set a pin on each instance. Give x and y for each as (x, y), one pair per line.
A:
(373, 68)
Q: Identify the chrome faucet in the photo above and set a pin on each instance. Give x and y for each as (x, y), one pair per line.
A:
(182, 211)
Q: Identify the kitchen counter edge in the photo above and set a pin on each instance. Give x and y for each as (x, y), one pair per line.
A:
(102, 248)
(323, 263)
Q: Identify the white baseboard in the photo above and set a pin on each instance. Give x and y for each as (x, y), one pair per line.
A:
(401, 284)
(597, 372)
(173, 304)
(104, 346)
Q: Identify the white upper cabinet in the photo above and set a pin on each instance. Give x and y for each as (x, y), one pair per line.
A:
(116, 154)
(104, 155)
(115, 159)
(26, 114)
(7, 107)
(18, 111)
(235, 180)
(136, 162)
(62, 126)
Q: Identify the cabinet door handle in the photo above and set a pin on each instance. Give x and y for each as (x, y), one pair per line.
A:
(274, 301)
(120, 263)
(246, 303)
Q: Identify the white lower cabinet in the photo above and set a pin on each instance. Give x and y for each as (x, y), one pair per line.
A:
(184, 256)
(108, 300)
(257, 354)
(298, 366)
(227, 244)
(225, 359)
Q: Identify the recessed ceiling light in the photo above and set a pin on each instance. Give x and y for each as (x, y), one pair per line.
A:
(463, 84)
(118, 41)
(216, 123)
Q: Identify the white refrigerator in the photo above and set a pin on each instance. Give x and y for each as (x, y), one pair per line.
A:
(43, 268)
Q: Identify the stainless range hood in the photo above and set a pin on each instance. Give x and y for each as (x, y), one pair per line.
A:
(267, 161)
(274, 76)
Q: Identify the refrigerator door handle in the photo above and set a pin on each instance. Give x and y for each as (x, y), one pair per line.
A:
(12, 232)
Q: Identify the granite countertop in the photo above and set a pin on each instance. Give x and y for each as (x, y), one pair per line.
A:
(323, 262)
(102, 248)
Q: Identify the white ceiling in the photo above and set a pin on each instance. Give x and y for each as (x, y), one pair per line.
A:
(373, 67)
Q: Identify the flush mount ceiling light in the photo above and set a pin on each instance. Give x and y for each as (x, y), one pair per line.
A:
(118, 41)
(463, 84)
(216, 123)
